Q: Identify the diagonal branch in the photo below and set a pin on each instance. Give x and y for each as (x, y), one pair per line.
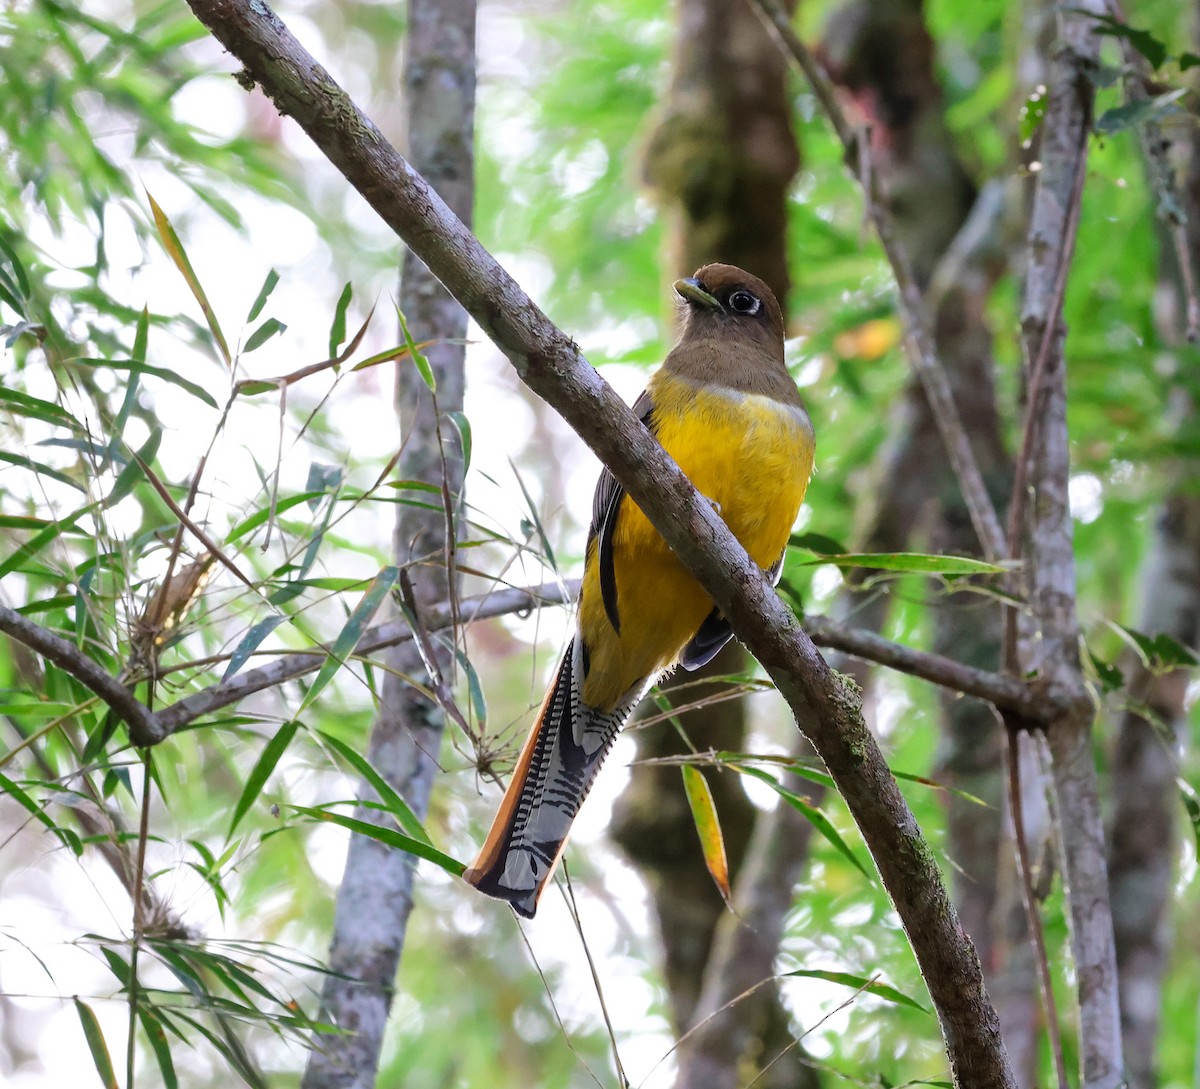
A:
(143, 723)
(550, 364)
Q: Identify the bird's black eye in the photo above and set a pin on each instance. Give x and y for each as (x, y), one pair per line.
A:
(742, 302)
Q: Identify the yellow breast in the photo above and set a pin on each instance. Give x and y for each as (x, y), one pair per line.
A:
(751, 456)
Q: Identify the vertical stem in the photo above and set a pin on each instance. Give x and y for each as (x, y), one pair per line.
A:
(1049, 639)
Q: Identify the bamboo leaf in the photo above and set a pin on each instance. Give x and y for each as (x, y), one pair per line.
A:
(158, 1044)
(860, 983)
(36, 408)
(422, 364)
(42, 538)
(918, 563)
(810, 812)
(67, 837)
(388, 836)
(175, 251)
(132, 472)
(96, 1045)
(41, 469)
(261, 771)
(256, 519)
(474, 689)
(392, 801)
(1191, 803)
(708, 827)
(264, 293)
(1139, 111)
(464, 433)
(269, 328)
(351, 632)
(337, 331)
(249, 643)
(135, 367)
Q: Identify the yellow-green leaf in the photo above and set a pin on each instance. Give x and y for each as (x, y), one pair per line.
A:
(704, 813)
(95, 1041)
(174, 248)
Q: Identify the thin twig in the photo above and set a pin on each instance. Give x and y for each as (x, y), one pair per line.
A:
(1012, 732)
(196, 531)
(1162, 176)
(1037, 388)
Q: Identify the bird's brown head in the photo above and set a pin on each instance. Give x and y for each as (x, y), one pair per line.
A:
(723, 301)
(732, 334)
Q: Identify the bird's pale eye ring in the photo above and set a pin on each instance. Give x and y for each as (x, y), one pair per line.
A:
(742, 302)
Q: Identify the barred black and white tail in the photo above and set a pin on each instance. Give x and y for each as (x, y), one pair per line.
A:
(555, 771)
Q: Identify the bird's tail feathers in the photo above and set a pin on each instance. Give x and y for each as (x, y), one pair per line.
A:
(553, 774)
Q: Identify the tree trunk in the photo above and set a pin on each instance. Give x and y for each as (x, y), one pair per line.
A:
(375, 898)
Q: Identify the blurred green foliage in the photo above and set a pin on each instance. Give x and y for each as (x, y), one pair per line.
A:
(110, 98)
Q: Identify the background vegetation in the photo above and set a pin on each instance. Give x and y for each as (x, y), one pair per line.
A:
(176, 262)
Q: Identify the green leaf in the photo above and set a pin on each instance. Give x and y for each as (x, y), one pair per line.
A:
(1142, 40)
(388, 795)
(96, 1044)
(337, 331)
(1031, 115)
(67, 837)
(708, 827)
(1110, 677)
(36, 408)
(158, 1044)
(422, 364)
(387, 836)
(1139, 111)
(263, 333)
(14, 262)
(474, 688)
(817, 542)
(42, 538)
(175, 251)
(859, 983)
(350, 634)
(810, 812)
(41, 469)
(322, 480)
(919, 563)
(249, 643)
(261, 772)
(534, 521)
(387, 356)
(260, 516)
(1191, 803)
(132, 472)
(1160, 652)
(464, 433)
(134, 367)
(264, 293)
(117, 965)
(1188, 60)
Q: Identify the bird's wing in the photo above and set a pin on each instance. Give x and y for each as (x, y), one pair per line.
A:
(606, 506)
(716, 631)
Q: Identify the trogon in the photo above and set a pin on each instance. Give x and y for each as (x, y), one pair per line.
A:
(725, 408)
